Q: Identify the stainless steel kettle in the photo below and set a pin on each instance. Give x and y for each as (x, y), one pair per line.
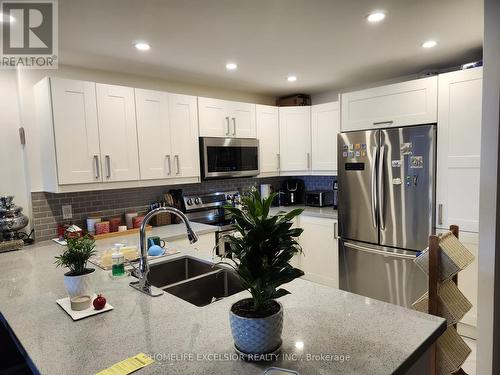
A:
(11, 218)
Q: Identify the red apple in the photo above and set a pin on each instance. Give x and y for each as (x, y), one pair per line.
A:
(99, 302)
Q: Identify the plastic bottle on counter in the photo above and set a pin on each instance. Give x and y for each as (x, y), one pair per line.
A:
(118, 262)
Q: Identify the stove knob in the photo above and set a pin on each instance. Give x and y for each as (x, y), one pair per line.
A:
(197, 201)
(189, 202)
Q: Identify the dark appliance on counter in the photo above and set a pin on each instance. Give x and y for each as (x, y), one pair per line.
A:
(319, 198)
(209, 209)
(294, 191)
(228, 157)
(386, 210)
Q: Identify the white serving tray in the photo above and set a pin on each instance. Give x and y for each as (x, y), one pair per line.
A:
(77, 315)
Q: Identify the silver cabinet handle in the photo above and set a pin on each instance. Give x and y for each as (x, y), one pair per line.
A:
(177, 164)
(308, 160)
(440, 214)
(279, 161)
(381, 188)
(108, 166)
(335, 231)
(234, 125)
(96, 165)
(374, 188)
(379, 252)
(383, 122)
(228, 131)
(168, 163)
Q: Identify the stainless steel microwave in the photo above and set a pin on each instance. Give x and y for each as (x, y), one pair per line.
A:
(228, 157)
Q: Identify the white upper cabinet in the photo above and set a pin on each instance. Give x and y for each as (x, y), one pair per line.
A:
(118, 132)
(184, 135)
(243, 120)
(222, 118)
(153, 132)
(459, 149)
(325, 125)
(76, 131)
(401, 104)
(268, 133)
(295, 139)
(167, 127)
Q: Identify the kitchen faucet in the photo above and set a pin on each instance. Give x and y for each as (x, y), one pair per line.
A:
(142, 271)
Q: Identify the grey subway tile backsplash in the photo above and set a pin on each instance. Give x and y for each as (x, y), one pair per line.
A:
(47, 207)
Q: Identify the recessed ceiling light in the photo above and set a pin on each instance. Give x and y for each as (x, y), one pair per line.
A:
(231, 66)
(142, 46)
(429, 44)
(6, 18)
(292, 78)
(375, 17)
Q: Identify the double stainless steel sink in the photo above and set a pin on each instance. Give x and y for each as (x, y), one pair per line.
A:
(193, 280)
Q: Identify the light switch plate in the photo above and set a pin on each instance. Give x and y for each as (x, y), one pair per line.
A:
(67, 212)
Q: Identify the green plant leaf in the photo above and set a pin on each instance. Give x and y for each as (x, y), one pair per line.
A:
(261, 249)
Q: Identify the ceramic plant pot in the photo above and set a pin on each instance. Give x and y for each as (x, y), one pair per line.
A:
(257, 335)
(81, 285)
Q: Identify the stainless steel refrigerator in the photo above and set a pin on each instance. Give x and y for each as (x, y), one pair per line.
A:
(386, 210)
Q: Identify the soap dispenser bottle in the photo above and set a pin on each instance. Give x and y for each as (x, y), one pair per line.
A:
(118, 262)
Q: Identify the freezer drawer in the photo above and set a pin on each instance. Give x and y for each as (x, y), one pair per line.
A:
(381, 273)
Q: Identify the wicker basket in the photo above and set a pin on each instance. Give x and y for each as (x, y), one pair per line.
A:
(454, 257)
(452, 351)
(452, 303)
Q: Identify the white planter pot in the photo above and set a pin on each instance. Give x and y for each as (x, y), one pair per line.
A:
(257, 335)
(82, 285)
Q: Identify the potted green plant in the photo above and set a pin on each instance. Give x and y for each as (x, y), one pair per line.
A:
(79, 280)
(260, 252)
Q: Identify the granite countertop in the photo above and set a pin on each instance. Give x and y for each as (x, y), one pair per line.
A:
(324, 212)
(368, 336)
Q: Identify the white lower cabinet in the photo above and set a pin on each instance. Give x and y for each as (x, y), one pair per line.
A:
(320, 260)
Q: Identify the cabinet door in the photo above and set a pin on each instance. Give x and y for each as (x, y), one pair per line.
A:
(459, 148)
(153, 132)
(243, 120)
(320, 261)
(214, 118)
(325, 125)
(268, 133)
(401, 104)
(76, 131)
(295, 138)
(117, 132)
(184, 133)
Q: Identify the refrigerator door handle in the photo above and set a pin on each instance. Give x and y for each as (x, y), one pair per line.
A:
(381, 188)
(374, 188)
(378, 252)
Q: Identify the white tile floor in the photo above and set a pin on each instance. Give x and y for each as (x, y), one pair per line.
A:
(470, 363)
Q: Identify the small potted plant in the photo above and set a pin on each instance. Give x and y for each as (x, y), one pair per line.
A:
(260, 253)
(79, 280)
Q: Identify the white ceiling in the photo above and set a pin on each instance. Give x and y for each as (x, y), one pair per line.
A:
(327, 43)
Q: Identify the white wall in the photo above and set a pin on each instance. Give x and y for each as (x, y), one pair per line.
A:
(27, 78)
(12, 176)
(488, 348)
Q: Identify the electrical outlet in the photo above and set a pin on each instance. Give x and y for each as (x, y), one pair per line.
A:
(67, 212)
